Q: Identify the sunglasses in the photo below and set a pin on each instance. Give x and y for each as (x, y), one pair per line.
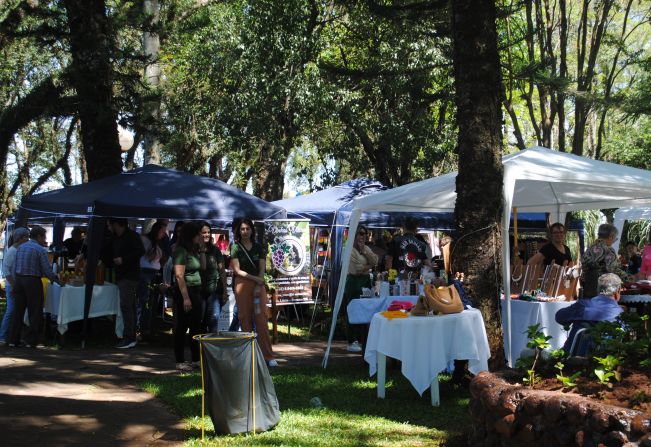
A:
(361, 233)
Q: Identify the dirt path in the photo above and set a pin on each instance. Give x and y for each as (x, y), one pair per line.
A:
(73, 397)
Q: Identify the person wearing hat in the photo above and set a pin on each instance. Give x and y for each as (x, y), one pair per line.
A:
(18, 237)
(31, 265)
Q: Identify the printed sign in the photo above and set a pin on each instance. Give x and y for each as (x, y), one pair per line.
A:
(288, 263)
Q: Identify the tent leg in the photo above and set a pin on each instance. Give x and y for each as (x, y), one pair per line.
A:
(274, 313)
(381, 374)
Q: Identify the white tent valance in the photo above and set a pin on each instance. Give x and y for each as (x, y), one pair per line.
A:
(624, 214)
(535, 180)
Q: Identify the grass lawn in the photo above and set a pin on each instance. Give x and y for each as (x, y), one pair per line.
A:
(351, 414)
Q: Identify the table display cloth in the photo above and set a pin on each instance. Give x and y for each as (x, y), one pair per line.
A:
(67, 303)
(527, 313)
(635, 299)
(426, 345)
(361, 310)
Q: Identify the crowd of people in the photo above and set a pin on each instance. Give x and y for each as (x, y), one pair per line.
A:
(603, 276)
(190, 267)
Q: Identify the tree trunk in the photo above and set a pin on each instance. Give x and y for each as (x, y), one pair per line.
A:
(91, 41)
(269, 180)
(586, 69)
(478, 211)
(151, 47)
(560, 96)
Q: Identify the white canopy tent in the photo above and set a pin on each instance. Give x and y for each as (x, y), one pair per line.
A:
(535, 180)
(624, 214)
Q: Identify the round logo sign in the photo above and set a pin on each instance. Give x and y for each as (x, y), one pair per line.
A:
(289, 256)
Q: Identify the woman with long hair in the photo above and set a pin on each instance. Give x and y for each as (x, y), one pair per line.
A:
(362, 259)
(213, 278)
(188, 303)
(555, 251)
(149, 266)
(248, 265)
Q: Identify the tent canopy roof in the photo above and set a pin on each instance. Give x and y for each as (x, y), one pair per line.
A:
(321, 206)
(544, 180)
(153, 192)
(633, 214)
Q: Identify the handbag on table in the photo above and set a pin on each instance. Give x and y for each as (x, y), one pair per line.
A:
(443, 300)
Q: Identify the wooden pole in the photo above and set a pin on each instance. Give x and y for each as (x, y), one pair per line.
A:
(274, 317)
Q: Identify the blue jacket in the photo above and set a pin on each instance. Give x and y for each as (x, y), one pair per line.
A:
(599, 308)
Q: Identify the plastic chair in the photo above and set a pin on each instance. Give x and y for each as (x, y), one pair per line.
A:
(582, 342)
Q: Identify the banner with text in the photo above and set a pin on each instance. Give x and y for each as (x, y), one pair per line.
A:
(288, 263)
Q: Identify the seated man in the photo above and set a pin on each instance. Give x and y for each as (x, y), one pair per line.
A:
(602, 307)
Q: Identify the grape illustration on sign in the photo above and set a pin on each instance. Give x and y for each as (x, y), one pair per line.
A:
(288, 262)
(288, 255)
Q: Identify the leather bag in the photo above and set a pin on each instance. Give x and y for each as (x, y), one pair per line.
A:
(443, 300)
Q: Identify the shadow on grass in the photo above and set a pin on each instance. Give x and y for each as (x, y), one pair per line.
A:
(349, 402)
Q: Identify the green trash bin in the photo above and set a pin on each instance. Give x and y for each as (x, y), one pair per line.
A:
(237, 390)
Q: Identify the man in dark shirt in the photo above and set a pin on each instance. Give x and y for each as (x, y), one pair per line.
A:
(75, 242)
(408, 252)
(126, 250)
(31, 265)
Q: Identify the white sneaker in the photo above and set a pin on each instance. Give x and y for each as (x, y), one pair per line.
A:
(272, 363)
(184, 367)
(354, 347)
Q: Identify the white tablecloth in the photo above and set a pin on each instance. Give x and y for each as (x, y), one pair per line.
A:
(527, 313)
(361, 310)
(67, 303)
(426, 345)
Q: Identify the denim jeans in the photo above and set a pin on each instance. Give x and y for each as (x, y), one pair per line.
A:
(9, 311)
(128, 300)
(143, 309)
(213, 309)
(235, 322)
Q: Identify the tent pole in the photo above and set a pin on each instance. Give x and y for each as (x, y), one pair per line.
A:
(94, 238)
(507, 193)
(515, 233)
(345, 262)
(318, 289)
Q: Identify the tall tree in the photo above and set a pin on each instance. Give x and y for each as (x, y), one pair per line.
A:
(92, 43)
(567, 66)
(390, 74)
(151, 49)
(478, 210)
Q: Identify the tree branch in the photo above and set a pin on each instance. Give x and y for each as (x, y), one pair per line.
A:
(43, 100)
(60, 164)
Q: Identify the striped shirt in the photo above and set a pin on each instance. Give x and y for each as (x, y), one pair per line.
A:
(31, 260)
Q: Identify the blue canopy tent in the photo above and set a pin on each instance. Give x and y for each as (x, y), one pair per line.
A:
(331, 208)
(148, 192)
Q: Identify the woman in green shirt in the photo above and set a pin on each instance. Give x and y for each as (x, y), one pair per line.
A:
(213, 278)
(248, 264)
(188, 303)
